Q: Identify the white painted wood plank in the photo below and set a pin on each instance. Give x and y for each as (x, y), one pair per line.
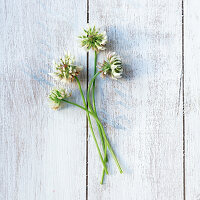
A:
(144, 109)
(42, 152)
(192, 98)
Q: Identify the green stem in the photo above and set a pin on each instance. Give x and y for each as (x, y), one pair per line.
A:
(88, 97)
(88, 92)
(104, 134)
(94, 108)
(90, 124)
(105, 160)
(93, 99)
(109, 147)
(93, 87)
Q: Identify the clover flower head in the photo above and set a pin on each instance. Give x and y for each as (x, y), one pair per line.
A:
(93, 39)
(65, 70)
(55, 98)
(113, 66)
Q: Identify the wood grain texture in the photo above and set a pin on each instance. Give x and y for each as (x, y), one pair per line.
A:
(42, 152)
(192, 98)
(143, 111)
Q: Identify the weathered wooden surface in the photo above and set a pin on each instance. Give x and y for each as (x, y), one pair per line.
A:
(144, 109)
(192, 99)
(43, 153)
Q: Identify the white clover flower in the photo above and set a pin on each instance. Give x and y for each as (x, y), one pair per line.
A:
(55, 98)
(113, 66)
(93, 39)
(65, 70)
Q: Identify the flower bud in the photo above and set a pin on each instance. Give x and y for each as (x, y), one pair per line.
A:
(55, 98)
(93, 39)
(65, 70)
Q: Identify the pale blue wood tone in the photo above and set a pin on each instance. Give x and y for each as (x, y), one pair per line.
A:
(42, 152)
(192, 99)
(144, 109)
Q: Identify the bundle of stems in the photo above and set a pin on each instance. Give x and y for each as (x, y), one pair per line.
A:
(93, 113)
(103, 142)
(66, 71)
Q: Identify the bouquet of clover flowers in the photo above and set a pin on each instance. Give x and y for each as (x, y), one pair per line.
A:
(66, 71)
